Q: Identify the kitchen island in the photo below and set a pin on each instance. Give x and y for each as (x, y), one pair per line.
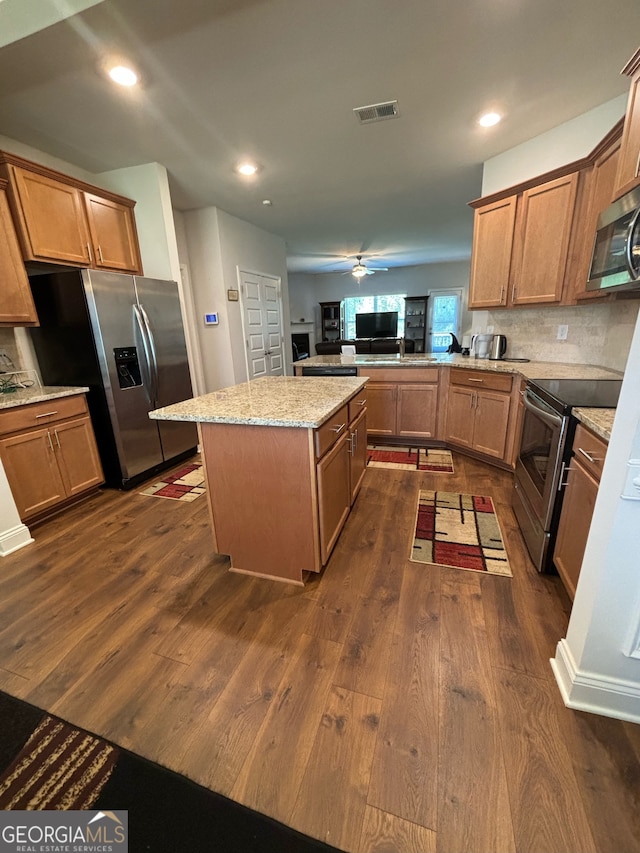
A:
(284, 459)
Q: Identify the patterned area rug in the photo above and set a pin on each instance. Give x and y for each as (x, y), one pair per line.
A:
(459, 531)
(409, 458)
(186, 484)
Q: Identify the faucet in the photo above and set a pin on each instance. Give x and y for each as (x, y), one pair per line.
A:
(401, 347)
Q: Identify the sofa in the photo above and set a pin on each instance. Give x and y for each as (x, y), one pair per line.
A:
(364, 346)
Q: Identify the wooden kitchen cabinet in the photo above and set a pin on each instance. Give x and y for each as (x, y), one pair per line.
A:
(628, 171)
(479, 412)
(112, 229)
(493, 232)
(62, 220)
(279, 496)
(49, 453)
(402, 401)
(521, 244)
(583, 479)
(16, 301)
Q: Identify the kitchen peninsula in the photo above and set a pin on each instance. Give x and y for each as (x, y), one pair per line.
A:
(283, 459)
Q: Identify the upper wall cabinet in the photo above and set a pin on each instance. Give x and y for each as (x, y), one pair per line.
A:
(521, 244)
(62, 220)
(628, 174)
(16, 304)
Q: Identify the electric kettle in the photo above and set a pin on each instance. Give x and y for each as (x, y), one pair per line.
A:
(498, 347)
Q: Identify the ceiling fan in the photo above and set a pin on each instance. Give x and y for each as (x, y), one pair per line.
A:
(359, 270)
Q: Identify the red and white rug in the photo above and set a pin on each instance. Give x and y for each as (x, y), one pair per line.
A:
(410, 458)
(186, 484)
(459, 531)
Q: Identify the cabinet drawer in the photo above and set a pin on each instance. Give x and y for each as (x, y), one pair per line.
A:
(400, 374)
(357, 404)
(590, 450)
(481, 379)
(18, 418)
(330, 430)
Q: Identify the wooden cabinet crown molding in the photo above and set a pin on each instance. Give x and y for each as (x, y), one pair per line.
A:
(9, 159)
(633, 65)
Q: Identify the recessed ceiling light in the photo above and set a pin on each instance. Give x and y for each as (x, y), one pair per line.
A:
(267, 202)
(489, 119)
(123, 75)
(246, 168)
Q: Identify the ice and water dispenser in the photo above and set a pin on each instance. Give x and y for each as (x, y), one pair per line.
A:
(127, 367)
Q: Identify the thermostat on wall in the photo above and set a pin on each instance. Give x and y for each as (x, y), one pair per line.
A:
(211, 319)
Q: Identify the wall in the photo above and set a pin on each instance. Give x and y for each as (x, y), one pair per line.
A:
(307, 291)
(561, 145)
(214, 245)
(598, 664)
(598, 333)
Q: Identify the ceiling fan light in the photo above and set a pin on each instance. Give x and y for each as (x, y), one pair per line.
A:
(359, 270)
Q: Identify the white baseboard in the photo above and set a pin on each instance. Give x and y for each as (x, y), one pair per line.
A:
(14, 538)
(597, 694)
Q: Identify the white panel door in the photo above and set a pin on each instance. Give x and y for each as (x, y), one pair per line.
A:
(262, 319)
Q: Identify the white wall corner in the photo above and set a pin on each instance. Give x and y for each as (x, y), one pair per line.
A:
(14, 538)
(592, 692)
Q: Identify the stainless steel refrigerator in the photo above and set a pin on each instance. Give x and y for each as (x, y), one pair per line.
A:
(122, 336)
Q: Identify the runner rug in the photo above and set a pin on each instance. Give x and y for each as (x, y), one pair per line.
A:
(186, 484)
(410, 458)
(46, 763)
(459, 531)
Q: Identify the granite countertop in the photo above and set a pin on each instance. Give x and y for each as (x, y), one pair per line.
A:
(37, 395)
(599, 421)
(286, 401)
(530, 369)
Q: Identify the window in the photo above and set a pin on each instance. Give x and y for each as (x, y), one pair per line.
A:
(444, 310)
(353, 305)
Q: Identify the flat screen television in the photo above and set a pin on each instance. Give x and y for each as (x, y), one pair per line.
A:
(381, 324)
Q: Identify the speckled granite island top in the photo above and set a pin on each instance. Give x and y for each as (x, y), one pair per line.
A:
(38, 395)
(270, 401)
(530, 369)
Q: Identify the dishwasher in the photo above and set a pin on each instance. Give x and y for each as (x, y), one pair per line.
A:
(330, 370)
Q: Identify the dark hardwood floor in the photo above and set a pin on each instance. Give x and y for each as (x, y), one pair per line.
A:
(386, 706)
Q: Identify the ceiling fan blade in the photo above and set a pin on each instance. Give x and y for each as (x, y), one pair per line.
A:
(378, 269)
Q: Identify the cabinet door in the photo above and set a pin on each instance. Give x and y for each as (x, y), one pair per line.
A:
(113, 234)
(493, 231)
(417, 410)
(334, 495)
(541, 249)
(52, 217)
(575, 521)
(32, 470)
(16, 303)
(381, 408)
(460, 416)
(77, 454)
(358, 450)
(491, 423)
(629, 164)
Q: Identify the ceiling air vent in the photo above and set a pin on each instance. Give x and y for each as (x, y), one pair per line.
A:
(377, 112)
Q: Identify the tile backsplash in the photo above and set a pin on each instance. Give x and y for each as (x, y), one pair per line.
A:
(597, 334)
(9, 345)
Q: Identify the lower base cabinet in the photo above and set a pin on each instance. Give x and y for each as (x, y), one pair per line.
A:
(589, 451)
(49, 454)
(402, 401)
(279, 496)
(479, 411)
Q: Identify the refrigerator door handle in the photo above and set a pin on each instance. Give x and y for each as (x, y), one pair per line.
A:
(148, 382)
(154, 356)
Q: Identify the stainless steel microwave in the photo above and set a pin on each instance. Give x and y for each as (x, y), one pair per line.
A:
(616, 250)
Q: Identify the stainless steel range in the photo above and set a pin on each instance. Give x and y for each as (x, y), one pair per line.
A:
(548, 428)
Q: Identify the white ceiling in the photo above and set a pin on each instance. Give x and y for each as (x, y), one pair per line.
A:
(277, 80)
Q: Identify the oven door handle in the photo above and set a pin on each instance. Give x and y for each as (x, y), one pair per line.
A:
(550, 418)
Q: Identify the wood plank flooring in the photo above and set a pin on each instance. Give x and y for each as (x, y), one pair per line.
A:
(386, 707)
